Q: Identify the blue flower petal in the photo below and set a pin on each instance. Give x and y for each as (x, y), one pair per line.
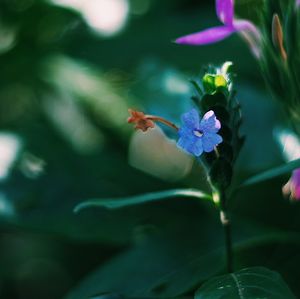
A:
(185, 131)
(207, 138)
(191, 145)
(191, 119)
(210, 140)
(209, 123)
(198, 147)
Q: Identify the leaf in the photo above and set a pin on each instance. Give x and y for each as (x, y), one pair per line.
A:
(249, 283)
(119, 296)
(113, 203)
(210, 100)
(172, 264)
(107, 296)
(158, 267)
(272, 173)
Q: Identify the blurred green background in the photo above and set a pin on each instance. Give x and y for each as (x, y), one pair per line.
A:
(70, 69)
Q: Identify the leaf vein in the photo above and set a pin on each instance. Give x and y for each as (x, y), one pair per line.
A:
(238, 285)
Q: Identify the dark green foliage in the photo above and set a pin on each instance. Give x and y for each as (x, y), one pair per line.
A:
(282, 75)
(113, 203)
(248, 283)
(221, 173)
(273, 173)
(57, 69)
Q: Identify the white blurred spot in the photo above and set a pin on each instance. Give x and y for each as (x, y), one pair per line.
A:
(10, 146)
(73, 124)
(174, 84)
(7, 38)
(154, 153)
(289, 142)
(84, 85)
(32, 166)
(107, 17)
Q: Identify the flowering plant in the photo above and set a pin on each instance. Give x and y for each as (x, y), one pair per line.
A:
(210, 131)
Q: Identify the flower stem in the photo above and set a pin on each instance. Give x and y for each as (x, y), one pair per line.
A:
(227, 231)
(162, 120)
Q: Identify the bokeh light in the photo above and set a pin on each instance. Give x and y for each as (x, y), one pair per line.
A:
(106, 17)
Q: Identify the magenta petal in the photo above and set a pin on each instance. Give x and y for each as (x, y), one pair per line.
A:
(225, 11)
(208, 36)
(244, 25)
(296, 183)
(251, 35)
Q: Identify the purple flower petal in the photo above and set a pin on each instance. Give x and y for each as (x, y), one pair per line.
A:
(292, 187)
(209, 123)
(296, 183)
(208, 36)
(250, 34)
(191, 119)
(298, 2)
(244, 25)
(210, 140)
(225, 11)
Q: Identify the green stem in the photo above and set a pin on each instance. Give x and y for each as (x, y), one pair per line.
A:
(227, 231)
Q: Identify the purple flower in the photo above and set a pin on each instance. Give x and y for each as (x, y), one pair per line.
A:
(298, 2)
(292, 187)
(225, 13)
(197, 136)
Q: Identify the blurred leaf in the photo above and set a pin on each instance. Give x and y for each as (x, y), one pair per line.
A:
(257, 282)
(272, 173)
(118, 296)
(113, 203)
(170, 265)
(249, 9)
(280, 255)
(107, 296)
(163, 267)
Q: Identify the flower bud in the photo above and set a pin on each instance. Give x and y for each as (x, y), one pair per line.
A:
(292, 188)
(277, 36)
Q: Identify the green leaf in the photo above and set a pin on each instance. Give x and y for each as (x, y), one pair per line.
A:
(197, 87)
(272, 173)
(249, 283)
(107, 296)
(158, 267)
(210, 100)
(208, 82)
(171, 264)
(113, 203)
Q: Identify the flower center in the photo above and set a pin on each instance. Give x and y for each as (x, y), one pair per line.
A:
(198, 133)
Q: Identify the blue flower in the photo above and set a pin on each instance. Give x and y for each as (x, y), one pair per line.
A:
(196, 136)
